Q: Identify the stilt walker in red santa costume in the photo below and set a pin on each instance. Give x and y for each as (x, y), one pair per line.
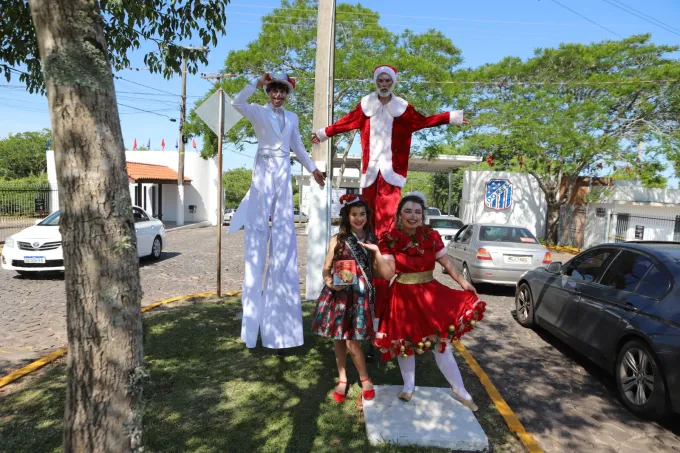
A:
(386, 123)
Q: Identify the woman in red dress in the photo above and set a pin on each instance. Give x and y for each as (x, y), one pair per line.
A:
(423, 314)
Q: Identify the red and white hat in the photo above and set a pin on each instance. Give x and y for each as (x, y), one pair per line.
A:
(349, 198)
(284, 78)
(385, 69)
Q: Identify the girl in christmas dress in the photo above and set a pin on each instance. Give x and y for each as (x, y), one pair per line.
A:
(423, 314)
(345, 312)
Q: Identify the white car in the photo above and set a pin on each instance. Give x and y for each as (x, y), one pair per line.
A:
(38, 248)
(447, 226)
(228, 214)
(300, 216)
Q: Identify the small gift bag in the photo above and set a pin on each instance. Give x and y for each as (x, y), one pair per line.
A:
(345, 273)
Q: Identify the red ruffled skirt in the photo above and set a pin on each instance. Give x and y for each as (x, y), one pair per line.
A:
(426, 316)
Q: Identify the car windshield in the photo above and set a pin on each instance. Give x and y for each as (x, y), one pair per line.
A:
(52, 219)
(433, 211)
(506, 234)
(446, 223)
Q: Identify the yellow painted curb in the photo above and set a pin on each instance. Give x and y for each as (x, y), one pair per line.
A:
(510, 418)
(31, 367)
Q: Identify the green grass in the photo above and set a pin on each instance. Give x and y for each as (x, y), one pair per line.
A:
(208, 393)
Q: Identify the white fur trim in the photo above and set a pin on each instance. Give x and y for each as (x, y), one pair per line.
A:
(440, 253)
(388, 257)
(385, 70)
(370, 104)
(321, 133)
(392, 177)
(456, 118)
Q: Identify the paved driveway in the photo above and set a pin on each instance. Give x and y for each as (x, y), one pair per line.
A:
(567, 403)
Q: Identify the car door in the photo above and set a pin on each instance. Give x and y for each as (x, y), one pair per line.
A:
(461, 244)
(144, 230)
(558, 305)
(608, 305)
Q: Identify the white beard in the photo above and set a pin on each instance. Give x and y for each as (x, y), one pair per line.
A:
(383, 94)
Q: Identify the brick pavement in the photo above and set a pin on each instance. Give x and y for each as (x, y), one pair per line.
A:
(563, 400)
(32, 310)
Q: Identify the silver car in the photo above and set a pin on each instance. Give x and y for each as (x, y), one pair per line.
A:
(498, 254)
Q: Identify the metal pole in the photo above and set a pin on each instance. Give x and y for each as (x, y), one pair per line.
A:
(219, 192)
(448, 211)
(180, 165)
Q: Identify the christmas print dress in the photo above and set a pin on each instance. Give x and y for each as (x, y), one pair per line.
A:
(422, 314)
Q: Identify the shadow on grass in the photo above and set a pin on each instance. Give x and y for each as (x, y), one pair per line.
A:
(208, 393)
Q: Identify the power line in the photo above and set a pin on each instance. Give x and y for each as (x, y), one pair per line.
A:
(142, 110)
(589, 20)
(647, 15)
(457, 19)
(145, 86)
(627, 9)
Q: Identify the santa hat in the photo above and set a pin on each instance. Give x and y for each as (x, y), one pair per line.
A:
(349, 198)
(385, 69)
(284, 78)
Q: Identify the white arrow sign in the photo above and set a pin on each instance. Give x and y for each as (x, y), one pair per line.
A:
(209, 112)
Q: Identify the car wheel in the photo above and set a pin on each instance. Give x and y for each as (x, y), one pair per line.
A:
(157, 248)
(466, 274)
(639, 381)
(524, 306)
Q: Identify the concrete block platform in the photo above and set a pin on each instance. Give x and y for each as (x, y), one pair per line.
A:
(432, 418)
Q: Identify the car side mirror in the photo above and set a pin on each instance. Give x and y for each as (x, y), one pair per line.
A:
(554, 268)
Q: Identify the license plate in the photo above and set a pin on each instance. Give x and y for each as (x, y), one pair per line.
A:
(34, 259)
(518, 259)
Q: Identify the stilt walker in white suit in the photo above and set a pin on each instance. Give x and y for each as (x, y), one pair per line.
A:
(276, 311)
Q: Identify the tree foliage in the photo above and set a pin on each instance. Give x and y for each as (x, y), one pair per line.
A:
(287, 42)
(23, 155)
(127, 24)
(236, 183)
(599, 114)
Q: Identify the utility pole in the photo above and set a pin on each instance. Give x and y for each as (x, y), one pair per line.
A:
(319, 227)
(182, 138)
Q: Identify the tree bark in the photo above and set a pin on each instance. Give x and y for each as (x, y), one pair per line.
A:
(105, 372)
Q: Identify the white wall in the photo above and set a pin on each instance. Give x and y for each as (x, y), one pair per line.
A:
(528, 208)
(202, 191)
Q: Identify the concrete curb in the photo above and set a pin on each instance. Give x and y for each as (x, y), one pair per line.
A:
(508, 415)
(190, 226)
(559, 248)
(31, 367)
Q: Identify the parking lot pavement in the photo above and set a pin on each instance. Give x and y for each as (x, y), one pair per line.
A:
(33, 310)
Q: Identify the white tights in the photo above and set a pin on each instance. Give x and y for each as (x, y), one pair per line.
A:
(447, 365)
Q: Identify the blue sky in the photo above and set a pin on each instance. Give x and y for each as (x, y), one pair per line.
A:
(485, 31)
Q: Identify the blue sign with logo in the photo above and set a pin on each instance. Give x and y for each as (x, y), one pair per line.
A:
(498, 194)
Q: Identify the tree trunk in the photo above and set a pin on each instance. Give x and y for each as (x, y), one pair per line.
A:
(552, 223)
(105, 373)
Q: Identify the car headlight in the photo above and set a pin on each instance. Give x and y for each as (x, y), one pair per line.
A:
(9, 242)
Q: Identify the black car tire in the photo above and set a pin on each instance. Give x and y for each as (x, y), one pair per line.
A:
(654, 398)
(26, 274)
(157, 248)
(524, 306)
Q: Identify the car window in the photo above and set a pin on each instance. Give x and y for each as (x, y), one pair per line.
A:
(433, 211)
(52, 219)
(445, 223)
(493, 233)
(654, 284)
(139, 215)
(626, 271)
(467, 235)
(591, 265)
(459, 235)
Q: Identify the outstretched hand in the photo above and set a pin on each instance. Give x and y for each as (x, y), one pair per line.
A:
(371, 247)
(467, 286)
(466, 121)
(319, 178)
(315, 138)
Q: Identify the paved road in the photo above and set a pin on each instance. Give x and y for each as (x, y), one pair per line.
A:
(563, 400)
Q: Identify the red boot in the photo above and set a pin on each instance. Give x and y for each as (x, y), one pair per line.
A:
(339, 397)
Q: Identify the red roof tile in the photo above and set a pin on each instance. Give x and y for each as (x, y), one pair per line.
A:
(140, 173)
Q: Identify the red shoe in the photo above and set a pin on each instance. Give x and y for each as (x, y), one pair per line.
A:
(339, 397)
(368, 394)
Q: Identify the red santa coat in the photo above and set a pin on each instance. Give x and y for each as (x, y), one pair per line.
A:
(386, 132)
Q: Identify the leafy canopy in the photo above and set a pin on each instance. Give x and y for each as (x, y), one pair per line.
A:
(23, 155)
(127, 23)
(287, 42)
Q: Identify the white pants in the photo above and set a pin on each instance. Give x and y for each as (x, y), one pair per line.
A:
(447, 365)
(274, 311)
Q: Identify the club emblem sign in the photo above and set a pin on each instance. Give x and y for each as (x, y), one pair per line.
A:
(498, 194)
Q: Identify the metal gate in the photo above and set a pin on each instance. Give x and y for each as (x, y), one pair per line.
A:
(21, 204)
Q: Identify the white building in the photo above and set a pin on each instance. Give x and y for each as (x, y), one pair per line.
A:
(503, 198)
(153, 184)
(626, 212)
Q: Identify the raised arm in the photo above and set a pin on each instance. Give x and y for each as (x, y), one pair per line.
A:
(347, 123)
(241, 104)
(299, 149)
